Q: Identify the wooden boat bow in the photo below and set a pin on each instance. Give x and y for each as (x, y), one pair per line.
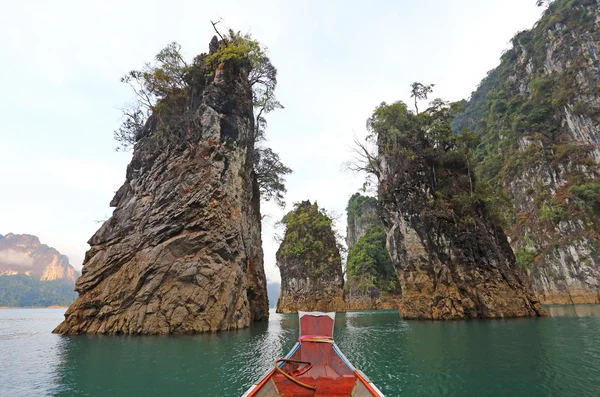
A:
(315, 366)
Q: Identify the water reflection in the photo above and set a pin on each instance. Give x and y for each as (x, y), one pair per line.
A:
(220, 364)
(548, 356)
(376, 342)
(28, 352)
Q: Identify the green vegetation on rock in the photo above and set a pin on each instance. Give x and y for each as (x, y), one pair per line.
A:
(369, 265)
(537, 117)
(309, 262)
(238, 48)
(356, 204)
(310, 240)
(588, 194)
(369, 268)
(441, 230)
(427, 139)
(361, 211)
(169, 90)
(517, 113)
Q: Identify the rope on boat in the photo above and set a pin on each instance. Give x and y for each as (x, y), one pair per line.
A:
(315, 338)
(290, 377)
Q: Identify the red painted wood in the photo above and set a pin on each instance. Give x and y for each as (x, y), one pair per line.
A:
(316, 325)
(331, 376)
(319, 353)
(261, 383)
(329, 373)
(325, 387)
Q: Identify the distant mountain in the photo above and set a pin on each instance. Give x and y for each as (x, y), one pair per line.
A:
(34, 274)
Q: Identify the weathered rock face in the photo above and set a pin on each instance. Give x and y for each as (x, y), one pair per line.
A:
(182, 252)
(369, 271)
(453, 261)
(359, 301)
(309, 262)
(24, 254)
(538, 117)
(362, 213)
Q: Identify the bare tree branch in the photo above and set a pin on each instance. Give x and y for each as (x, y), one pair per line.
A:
(364, 160)
(214, 24)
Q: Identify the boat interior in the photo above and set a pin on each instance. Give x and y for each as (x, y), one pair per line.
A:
(315, 367)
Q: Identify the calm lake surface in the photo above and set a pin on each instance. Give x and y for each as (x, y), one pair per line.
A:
(557, 356)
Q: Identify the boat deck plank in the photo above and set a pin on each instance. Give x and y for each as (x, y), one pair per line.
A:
(326, 387)
(330, 375)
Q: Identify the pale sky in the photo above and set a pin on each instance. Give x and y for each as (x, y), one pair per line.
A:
(61, 62)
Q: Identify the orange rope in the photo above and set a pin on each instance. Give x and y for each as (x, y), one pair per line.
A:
(323, 339)
(290, 377)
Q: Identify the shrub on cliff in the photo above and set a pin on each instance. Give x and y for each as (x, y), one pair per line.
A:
(369, 265)
(168, 92)
(446, 161)
(310, 240)
(587, 196)
(356, 204)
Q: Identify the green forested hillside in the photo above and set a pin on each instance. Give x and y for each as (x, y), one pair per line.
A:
(22, 290)
(538, 116)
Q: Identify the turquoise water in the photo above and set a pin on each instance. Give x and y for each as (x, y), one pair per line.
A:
(557, 356)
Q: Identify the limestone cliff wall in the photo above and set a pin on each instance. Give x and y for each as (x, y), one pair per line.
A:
(361, 290)
(362, 213)
(538, 116)
(182, 251)
(359, 302)
(309, 294)
(452, 259)
(309, 263)
(448, 274)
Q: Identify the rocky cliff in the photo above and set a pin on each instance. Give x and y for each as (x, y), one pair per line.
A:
(24, 254)
(371, 278)
(453, 260)
(539, 120)
(182, 251)
(309, 262)
(362, 213)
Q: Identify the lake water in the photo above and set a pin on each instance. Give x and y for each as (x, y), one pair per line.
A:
(557, 356)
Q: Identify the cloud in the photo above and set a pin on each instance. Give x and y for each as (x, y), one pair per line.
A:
(12, 257)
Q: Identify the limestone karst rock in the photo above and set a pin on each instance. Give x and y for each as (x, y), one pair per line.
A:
(371, 281)
(34, 274)
(25, 254)
(309, 262)
(362, 212)
(537, 114)
(453, 261)
(182, 251)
